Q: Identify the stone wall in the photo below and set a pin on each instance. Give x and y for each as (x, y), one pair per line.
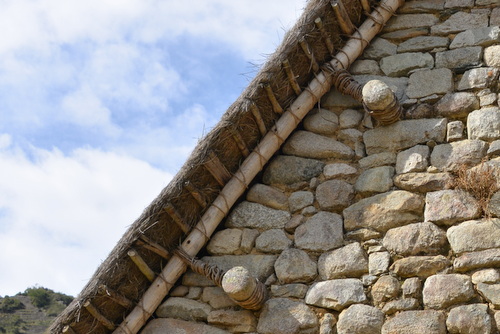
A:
(356, 228)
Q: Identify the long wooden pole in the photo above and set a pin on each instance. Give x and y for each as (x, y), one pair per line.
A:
(254, 163)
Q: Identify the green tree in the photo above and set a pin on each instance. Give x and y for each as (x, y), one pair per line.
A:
(40, 297)
(10, 305)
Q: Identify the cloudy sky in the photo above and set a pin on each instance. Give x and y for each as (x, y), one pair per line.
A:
(101, 101)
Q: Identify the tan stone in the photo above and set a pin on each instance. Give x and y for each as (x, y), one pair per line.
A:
(421, 266)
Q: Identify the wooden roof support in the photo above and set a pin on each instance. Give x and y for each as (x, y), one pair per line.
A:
(343, 19)
(307, 50)
(272, 98)
(324, 34)
(176, 217)
(258, 119)
(291, 77)
(141, 264)
(115, 296)
(197, 195)
(68, 330)
(252, 165)
(98, 316)
(366, 5)
(153, 246)
(239, 142)
(217, 169)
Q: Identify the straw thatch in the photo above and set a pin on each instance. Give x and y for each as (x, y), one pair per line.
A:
(118, 284)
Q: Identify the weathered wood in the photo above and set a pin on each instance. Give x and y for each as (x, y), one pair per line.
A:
(68, 330)
(197, 195)
(324, 34)
(115, 296)
(251, 167)
(343, 19)
(366, 5)
(141, 264)
(176, 217)
(291, 77)
(258, 119)
(153, 246)
(98, 316)
(307, 50)
(238, 139)
(272, 98)
(217, 169)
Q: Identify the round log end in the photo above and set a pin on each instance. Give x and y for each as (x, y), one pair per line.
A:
(377, 95)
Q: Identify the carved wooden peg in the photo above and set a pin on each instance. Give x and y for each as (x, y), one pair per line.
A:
(244, 289)
(381, 102)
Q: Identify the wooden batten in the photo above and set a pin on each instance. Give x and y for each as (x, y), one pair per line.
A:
(217, 169)
(272, 98)
(292, 79)
(176, 217)
(141, 264)
(324, 34)
(343, 19)
(240, 142)
(153, 246)
(366, 5)
(98, 316)
(197, 195)
(68, 330)
(258, 119)
(307, 50)
(115, 296)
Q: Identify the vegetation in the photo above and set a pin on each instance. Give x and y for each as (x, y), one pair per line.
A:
(31, 311)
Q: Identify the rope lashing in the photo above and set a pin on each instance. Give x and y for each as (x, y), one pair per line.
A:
(210, 271)
(381, 102)
(344, 82)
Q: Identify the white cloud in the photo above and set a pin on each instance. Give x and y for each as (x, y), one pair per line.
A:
(61, 215)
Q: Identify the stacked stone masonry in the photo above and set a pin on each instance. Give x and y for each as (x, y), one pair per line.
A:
(357, 228)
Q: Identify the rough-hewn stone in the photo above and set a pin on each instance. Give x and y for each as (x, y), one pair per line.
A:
(481, 259)
(347, 261)
(375, 180)
(484, 124)
(321, 232)
(407, 21)
(450, 206)
(378, 263)
(421, 266)
(416, 322)
(334, 194)
(422, 6)
(488, 276)
(300, 199)
(295, 290)
(225, 242)
(184, 309)
(237, 321)
(483, 36)
(482, 77)
(474, 235)
(321, 121)
(289, 170)
(176, 326)
(360, 319)
(423, 43)
(268, 196)
(459, 59)
(403, 304)
(216, 297)
(272, 241)
(386, 288)
(307, 144)
(380, 48)
(449, 157)
(253, 215)
(365, 66)
(457, 105)
(414, 159)
(415, 239)
(491, 56)
(471, 319)
(460, 21)
(327, 324)
(423, 182)
(295, 265)
(384, 211)
(338, 170)
(412, 288)
(376, 160)
(248, 237)
(491, 292)
(441, 78)
(336, 294)
(350, 118)
(285, 316)
(443, 290)
(401, 64)
(261, 266)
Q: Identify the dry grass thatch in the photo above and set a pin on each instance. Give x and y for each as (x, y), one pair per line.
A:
(202, 177)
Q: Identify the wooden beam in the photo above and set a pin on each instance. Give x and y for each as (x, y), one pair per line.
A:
(141, 264)
(217, 169)
(153, 246)
(252, 165)
(176, 217)
(307, 50)
(238, 139)
(258, 119)
(197, 195)
(272, 98)
(343, 19)
(324, 34)
(98, 316)
(115, 296)
(292, 79)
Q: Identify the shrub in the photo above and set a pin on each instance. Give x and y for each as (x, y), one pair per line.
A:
(10, 305)
(40, 297)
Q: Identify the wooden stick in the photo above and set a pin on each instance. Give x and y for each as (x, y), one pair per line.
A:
(343, 19)
(176, 217)
(291, 77)
(258, 119)
(196, 194)
(324, 34)
(217, 169)
(272, 98)
(115, 296)
(98, 316)
(153, 246)
(307, 50)
(238, 139)
(366, 6)
(250, 168)
(68, 329)
(141, 264)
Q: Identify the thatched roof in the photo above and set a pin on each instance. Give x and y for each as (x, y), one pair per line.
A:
(167, 220)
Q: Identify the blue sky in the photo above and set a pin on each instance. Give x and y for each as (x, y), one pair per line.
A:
(101, 101)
